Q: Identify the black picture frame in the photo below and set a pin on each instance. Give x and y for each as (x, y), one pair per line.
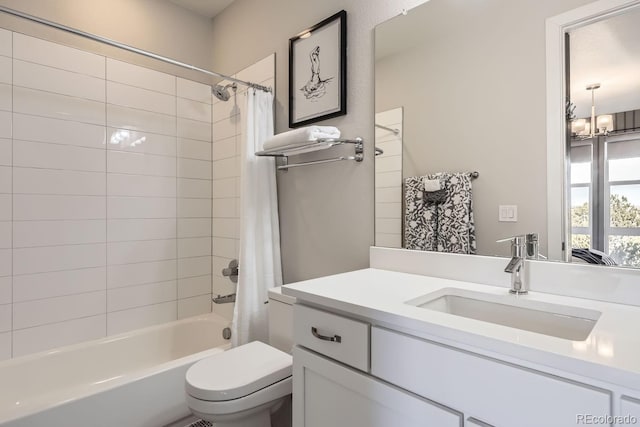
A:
(318, 93)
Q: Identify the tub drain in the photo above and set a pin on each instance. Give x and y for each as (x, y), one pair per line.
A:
(200, 423)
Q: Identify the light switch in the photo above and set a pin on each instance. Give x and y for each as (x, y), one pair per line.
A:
(508, 213)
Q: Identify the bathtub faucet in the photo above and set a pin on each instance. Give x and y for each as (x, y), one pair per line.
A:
(224, 299)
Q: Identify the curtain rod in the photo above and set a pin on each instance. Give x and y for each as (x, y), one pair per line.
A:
(126, 47)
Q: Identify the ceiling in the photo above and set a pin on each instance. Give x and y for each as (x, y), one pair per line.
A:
(206, 8)
(606, 52)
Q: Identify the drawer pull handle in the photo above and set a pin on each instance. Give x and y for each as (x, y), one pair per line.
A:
(335, 338)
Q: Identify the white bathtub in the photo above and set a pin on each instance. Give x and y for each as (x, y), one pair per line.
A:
(134, 379)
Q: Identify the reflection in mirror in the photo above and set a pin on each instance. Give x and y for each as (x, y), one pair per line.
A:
(604, 152)
(469, 80)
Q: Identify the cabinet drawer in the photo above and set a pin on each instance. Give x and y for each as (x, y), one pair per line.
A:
(335, 336)
(497, 393)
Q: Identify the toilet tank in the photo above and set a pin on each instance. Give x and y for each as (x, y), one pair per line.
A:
(280, 310)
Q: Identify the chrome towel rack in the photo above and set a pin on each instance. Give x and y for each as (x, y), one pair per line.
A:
(320, 144)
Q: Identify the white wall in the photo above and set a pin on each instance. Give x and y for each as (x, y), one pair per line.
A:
(106, 183)
(326, 212)
(228, 137)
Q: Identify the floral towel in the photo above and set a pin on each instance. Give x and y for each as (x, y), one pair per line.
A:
(442, 227)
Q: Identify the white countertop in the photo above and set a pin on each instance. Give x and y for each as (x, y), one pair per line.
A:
(610, 354)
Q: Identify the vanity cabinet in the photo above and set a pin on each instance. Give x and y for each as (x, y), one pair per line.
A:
(349, 373)
(326, 393)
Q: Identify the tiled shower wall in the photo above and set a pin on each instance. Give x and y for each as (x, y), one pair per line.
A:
(227, 142)
(105, 196)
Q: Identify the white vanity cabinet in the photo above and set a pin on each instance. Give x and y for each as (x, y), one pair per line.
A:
(349, 373)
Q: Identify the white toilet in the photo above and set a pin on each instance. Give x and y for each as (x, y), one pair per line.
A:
(243, 386)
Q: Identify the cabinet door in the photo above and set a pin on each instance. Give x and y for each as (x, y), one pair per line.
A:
(629, 410)
(326, 393)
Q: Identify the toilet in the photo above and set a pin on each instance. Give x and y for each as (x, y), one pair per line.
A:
(243, 386)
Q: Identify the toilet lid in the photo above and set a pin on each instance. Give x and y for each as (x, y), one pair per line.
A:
(237, 372)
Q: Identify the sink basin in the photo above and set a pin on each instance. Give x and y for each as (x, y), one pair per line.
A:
(571, 323)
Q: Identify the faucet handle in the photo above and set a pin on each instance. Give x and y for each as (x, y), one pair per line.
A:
(515, 240)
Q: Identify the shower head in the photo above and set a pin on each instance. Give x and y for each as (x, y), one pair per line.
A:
(222, 92)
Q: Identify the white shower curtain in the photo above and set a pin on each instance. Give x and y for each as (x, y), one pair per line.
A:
(259, 262)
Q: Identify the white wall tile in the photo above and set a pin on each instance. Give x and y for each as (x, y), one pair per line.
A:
(388, 164)
(225, 208)
(6, 42)
(141, 295)
(192, 267)
(194, 247)
(5, 234)
(194, 227)
(194, 188)
(141, 77)
(127, 320)
(146, 186)
(50, 310)
(226, 227)
(142, 99)
(224, 188)
(223, 247)
(194, 110)
(194, 149)
(5, 179)
(57, 258)
(29, 207)
(225, 129)
(388, 195)
(140, 164)
(259, 71)
(194, 129)
(56, 55)
(5, 124)
(389, 240)
(45, 337)
(194, 208)
(140, 251)
(141, 142)
(194, 286)
(388, 225)
(5, 317)
(224, 149)
(41, 77)
(194, 306)
(5, 262)
(139, 120)
(5, 345)
(44, 129)
(226, 168)
(388, 210)
(6, 96)
(140, 207)
(59, 283)
(141, 273)
(5, 207)
(55, 156)
(45, 181)
(193, 90)
(226, 111)
(47, 104)
(6, 70)
(5, 151)
(54, 233)
(389, 179)
(6, 286)
(119, 230)
(189, 168)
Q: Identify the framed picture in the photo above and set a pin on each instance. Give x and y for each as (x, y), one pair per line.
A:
(318, 72)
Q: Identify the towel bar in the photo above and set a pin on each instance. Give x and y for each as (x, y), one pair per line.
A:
(320, 144)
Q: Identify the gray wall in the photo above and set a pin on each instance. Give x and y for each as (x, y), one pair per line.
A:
(475, 100)
(326, 212)
(154, 25)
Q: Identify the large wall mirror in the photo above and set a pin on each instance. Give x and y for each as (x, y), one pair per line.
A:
(463, 150)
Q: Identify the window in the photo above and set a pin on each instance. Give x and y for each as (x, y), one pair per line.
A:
(605, 196)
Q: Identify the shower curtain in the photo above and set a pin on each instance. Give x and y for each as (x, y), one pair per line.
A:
(259, 262)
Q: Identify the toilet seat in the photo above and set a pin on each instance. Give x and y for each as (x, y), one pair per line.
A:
(239, 373)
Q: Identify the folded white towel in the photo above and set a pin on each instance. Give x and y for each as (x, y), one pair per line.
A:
(431, 184)
(301, 136)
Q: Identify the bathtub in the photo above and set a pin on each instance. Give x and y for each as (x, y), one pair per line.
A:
(135, 379)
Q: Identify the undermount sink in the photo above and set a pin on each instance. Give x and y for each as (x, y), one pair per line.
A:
(571, 323)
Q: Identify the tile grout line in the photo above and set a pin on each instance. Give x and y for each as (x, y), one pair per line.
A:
(12, 204)
(106, 203)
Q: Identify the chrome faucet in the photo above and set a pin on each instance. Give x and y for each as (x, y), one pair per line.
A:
(522, 248)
